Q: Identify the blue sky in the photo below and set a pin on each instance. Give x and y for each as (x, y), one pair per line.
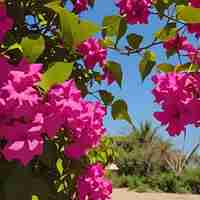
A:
(137, 94)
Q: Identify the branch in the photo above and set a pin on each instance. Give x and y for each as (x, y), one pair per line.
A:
(134, 51)
(169, 18)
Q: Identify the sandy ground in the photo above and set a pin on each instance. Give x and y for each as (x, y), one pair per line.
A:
(123, 194)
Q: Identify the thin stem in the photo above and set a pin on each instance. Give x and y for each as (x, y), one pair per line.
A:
(169, 18)
(135, 51)
(179, 58)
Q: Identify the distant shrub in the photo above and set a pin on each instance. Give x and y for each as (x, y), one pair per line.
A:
(191, 178)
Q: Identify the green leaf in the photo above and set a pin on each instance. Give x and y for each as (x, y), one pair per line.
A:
(182, 68)
(102, 157)
(106, 97)
(33, 46)
(73, 31)
(120, 111)
(187, 67)
(85, 30)
(188, 14)
(147, 63)
(61, 188)
(162, 5)
(114, 26)
(134, 40)
(42, 20)
(35, 197)
(15, 46)
(167, 32)
(115, 69)
(164, 67)
(59, 165)
(107, 42)
(57, 73)
(170, 53)
(181, 2)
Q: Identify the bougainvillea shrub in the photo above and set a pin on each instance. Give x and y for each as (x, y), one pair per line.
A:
(52, 143)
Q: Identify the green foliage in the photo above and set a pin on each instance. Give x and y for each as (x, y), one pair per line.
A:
(37, 45)
(168, 182)
(162, 5)
(115, 69)
(147, 63)
(120, 111)
(59, 165)
(61, 69)
(73, 31)
(104, 154)
(106, 97)
(164, 67)
(114, 26)
(187, 67)
(34, 197)
(142, 166)
(188, 14)
(167, 32)
(134, 40)
(191, 177)
(52, 40)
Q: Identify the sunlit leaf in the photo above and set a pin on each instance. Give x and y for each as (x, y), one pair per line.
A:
(33, 46)
(120, 111)
(57, 73)
(188, 14)
(147, 63)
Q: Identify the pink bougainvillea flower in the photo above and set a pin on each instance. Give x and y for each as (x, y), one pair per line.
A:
(92, 52)
(83, 119)
(23, 66)
(87, 128)
(80, 5)
(194, 28)
(6, 23)
(24, 141)
(167, 84)
(53, 119)
(177, 43)
(92, 185)
(108, 76)
(194, 56)
(75, 151)
(179, 97)
(194, 3)
(176, 116)
(134, 11)
(19, 93)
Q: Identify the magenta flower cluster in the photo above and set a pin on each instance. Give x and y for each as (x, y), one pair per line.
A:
(194, 28)
(6, 23)
(92, 184)
(80, 5)
(179, 97)
(26, 115)
(83, 119)
(21, 122)
(94, 53)
(177, 44)
(180, 43)
(134, 11)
